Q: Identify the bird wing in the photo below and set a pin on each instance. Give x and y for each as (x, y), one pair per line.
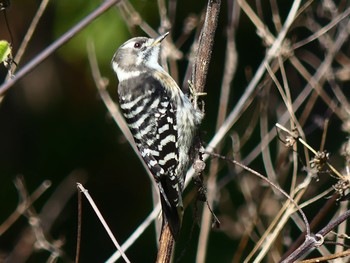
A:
(151, 118)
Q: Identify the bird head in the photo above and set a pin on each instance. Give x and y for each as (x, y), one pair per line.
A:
(136, 56)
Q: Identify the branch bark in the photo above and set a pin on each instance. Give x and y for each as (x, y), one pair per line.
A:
(205, 46)
(312, 242)
(166, 246)
(198, 78)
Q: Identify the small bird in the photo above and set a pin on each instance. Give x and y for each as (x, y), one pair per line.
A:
(161, 118)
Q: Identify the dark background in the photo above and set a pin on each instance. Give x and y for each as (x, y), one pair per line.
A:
(53, 126)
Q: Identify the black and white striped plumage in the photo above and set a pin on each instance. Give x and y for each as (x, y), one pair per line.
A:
(161, 118)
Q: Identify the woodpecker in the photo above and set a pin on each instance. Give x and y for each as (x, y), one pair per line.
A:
(161, 118)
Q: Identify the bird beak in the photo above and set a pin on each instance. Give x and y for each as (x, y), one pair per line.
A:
(159, 39)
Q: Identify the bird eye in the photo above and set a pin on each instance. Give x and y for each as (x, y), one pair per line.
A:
(137, 45)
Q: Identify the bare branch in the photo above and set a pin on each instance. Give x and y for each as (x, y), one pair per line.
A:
(314, 241)
(102, 220)
(166, 246)
(205, 46)
(57, 44)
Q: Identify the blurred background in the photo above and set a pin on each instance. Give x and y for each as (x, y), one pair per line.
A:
(54, 127)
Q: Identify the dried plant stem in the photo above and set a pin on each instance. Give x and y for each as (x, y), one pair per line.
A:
(229, 70)
(340, 256)
(30, 32)
(290, 209)
(166, 246)
(205, 46)
(342, 228)
(335, 21)
(40, 224)
(313, 81)
(79, 224)
(313, 242)
(23, 206)
(137, 233)
(276, 225)
(242, 103)
(271, 237)
(133, 18)
(265, 151)
(102, 220)
(260, 26)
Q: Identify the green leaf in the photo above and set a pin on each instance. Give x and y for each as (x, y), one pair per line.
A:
(5, 50)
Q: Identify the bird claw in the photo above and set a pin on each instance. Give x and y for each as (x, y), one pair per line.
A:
(195, 95)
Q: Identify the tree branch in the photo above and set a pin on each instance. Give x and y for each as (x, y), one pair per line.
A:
(313, 242)
(57, 44)
(166, 246)
(205, 45)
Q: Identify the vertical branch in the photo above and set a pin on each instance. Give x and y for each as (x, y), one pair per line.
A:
(205, 45)
(166, 246)
(199, 75)
(229, 71)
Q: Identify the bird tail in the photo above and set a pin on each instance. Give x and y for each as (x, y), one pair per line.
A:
(172, 215)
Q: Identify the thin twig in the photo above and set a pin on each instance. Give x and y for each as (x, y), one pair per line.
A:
(317, 78)
(30, 32)
(80, 212)
(328, 258)
(335, 171)
(137, 233)
(57, 44)
(313, 242)
(307, 226)
(133, 18)
(323, 212)
(23, 206)
(265, 151)
(37, 226)
(40, 224)
(102, 220)
(335, 21)
(260, 26)
(242, 103)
